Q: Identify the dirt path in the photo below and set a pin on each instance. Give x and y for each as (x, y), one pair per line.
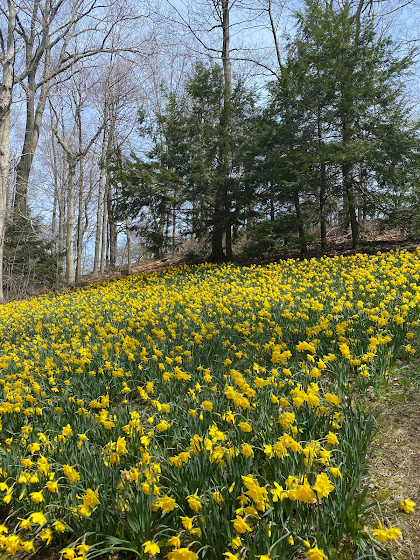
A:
(394, 467)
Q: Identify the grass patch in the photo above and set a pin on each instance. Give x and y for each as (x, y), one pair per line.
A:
(394, 466)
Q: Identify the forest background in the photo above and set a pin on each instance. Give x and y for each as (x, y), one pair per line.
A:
(131, 130)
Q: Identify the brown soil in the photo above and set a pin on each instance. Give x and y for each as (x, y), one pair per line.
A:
(142, 267)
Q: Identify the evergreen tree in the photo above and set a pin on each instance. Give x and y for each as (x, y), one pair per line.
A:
(29, 264)
(335, 131)
(149, 189)
(185, 170)
(223, 200)
(286, 144)
(353, 83)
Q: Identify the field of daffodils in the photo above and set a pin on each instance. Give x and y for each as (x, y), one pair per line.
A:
(202, 412)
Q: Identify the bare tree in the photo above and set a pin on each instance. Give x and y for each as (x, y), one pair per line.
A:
(55, 35)
(215, 16)
(118, 95)
(7, 59)
(75, 153)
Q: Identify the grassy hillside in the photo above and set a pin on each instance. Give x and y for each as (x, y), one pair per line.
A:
(202, 412)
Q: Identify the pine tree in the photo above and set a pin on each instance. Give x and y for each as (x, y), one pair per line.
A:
(352, 82)
(149, 187)
(29, 264)
(336, 131)
(224, 198)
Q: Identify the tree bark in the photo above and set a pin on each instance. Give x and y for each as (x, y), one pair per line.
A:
(61, 226)
(226, 125)
(100, 208)
(274, 34)
(162, 221)
(217, 253)
(112, 231)
(7, 58)
(272, 209)
(54, 217)
(127, 233)
(300, 224)
(322, 213)
(56, 205)
(104, 241)
(98, 259)
(221, 215)
(322, 187)
(70, 271)
(228, 233)
(30, 143)
(73, 158)
(347, 171)
(173, 227)
(80, 231)
(348, 187)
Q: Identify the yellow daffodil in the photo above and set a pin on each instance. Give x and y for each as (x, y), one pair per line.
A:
(151, 547)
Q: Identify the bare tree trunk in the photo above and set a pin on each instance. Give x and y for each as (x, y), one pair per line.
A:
(348, 189)
(228, 239)
(104, 229)
(102, 199)
(73, 157)
(322, 187)
(54, 218)
(322, 213)
(32, 131)
(227, 101)
(7, 58)
(217, 254)
(56, 206)
(4, 175)
(300, 224)
(112, 224)
(221, 212)
(351, 204)
(107, 244)
(127, 233)
(61, 226)
(80, 231)
(100, 207)
(112, 244)
(70, 272)
(272, 209)
(173, 227)
(274, 34)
